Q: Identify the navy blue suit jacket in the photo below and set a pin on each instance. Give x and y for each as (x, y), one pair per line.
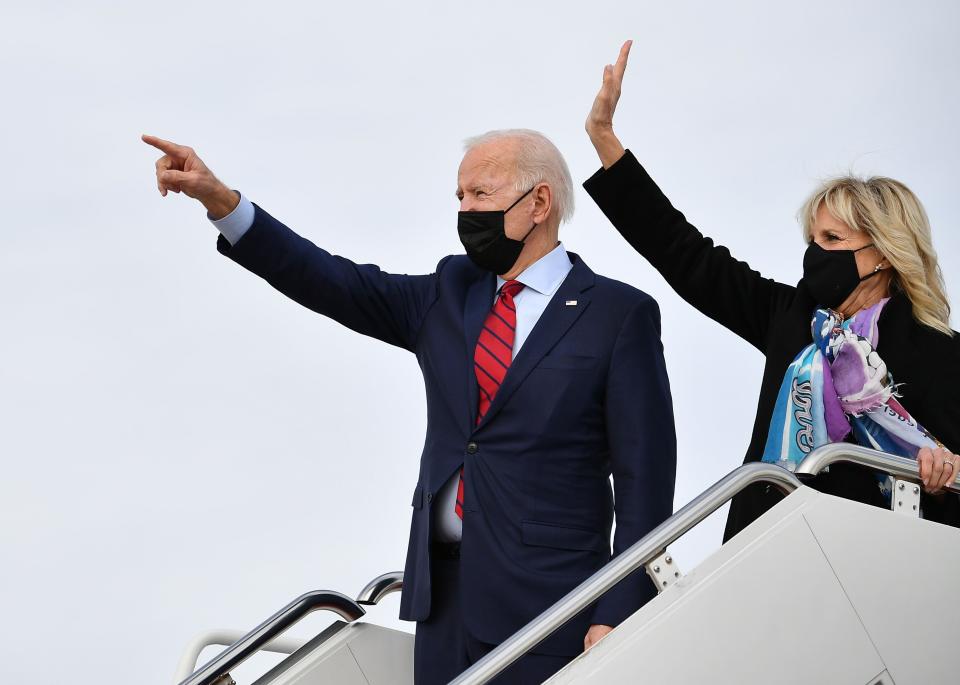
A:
(586, 396)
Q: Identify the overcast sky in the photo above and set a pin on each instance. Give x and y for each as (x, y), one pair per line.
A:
(185, 449)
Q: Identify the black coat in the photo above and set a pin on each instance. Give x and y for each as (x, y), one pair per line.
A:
(775, 318)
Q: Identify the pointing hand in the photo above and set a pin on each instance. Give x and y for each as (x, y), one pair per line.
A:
(181, 170)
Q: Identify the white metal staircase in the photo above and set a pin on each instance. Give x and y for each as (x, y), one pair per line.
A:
(817, 590)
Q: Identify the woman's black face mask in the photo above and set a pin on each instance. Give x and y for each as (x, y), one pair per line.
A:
(831, 275)
(484, 236)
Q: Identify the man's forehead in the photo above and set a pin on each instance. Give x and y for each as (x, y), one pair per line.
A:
(488, 161)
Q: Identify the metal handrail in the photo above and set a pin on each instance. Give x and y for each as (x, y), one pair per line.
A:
(243, 648)
(633, 558)
(224, 638)
(380, 587)
(898, 467)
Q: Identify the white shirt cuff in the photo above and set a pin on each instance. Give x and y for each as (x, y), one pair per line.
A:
(235, 224)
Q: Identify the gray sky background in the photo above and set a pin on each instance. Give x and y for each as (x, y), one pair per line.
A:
(183, 448)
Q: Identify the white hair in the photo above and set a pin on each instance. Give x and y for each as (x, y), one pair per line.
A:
(538, 161)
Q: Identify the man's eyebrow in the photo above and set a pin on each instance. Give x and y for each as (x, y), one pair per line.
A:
(486, 187)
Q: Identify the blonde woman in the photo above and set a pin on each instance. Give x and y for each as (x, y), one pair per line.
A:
(860, 350)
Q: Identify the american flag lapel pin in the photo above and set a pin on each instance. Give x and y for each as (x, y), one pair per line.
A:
(571, 303)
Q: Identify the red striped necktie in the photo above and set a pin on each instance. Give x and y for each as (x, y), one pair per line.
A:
(493, 355)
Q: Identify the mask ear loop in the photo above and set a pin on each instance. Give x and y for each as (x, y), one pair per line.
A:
(527, 235)
(517, 201)
(532, 228)
(879, 265)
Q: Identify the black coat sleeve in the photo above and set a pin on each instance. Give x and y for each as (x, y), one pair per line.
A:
(939, 354)
(702, 273)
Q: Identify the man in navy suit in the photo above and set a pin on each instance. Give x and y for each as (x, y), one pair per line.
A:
(542, 380)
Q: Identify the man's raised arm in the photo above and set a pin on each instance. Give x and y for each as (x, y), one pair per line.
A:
(385, 306)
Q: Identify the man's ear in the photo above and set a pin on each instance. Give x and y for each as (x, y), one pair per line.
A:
(542, 203)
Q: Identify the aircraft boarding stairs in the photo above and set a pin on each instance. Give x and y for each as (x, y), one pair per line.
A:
(818, 590)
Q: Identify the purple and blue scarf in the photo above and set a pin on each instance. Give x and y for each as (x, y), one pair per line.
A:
(838, 386)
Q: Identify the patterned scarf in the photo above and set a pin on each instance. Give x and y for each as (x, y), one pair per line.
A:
(839, 385)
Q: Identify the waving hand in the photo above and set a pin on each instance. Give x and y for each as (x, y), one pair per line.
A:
(599, 123)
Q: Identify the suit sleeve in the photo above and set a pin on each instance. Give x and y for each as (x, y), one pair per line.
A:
(643, 450)
(704, 274)
(384, 306)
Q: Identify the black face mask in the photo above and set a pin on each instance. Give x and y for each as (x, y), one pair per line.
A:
(831, 275)
(485, 238)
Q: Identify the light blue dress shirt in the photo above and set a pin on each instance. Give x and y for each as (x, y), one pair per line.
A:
(541, 281)
(237, 222)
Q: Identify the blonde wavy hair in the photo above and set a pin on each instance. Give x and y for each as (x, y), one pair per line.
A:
(897, 224)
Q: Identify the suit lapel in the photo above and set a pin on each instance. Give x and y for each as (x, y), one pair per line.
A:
(475, 310)
(555, 321)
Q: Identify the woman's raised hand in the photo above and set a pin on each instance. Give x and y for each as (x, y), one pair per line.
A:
(599, 123)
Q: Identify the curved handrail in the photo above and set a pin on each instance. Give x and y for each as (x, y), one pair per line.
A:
(240, 650)
(899, 467)
(641, 552)
(380, 587)
(224, 638)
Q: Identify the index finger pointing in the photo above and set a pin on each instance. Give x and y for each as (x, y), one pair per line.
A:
(167, 146)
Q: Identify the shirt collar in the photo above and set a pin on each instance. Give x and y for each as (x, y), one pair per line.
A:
(546, 274)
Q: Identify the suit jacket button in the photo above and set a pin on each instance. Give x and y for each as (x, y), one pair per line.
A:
(472, 448)
(429, 497)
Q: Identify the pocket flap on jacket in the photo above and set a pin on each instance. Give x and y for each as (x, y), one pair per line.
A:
(562, 537)
(417, 502)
